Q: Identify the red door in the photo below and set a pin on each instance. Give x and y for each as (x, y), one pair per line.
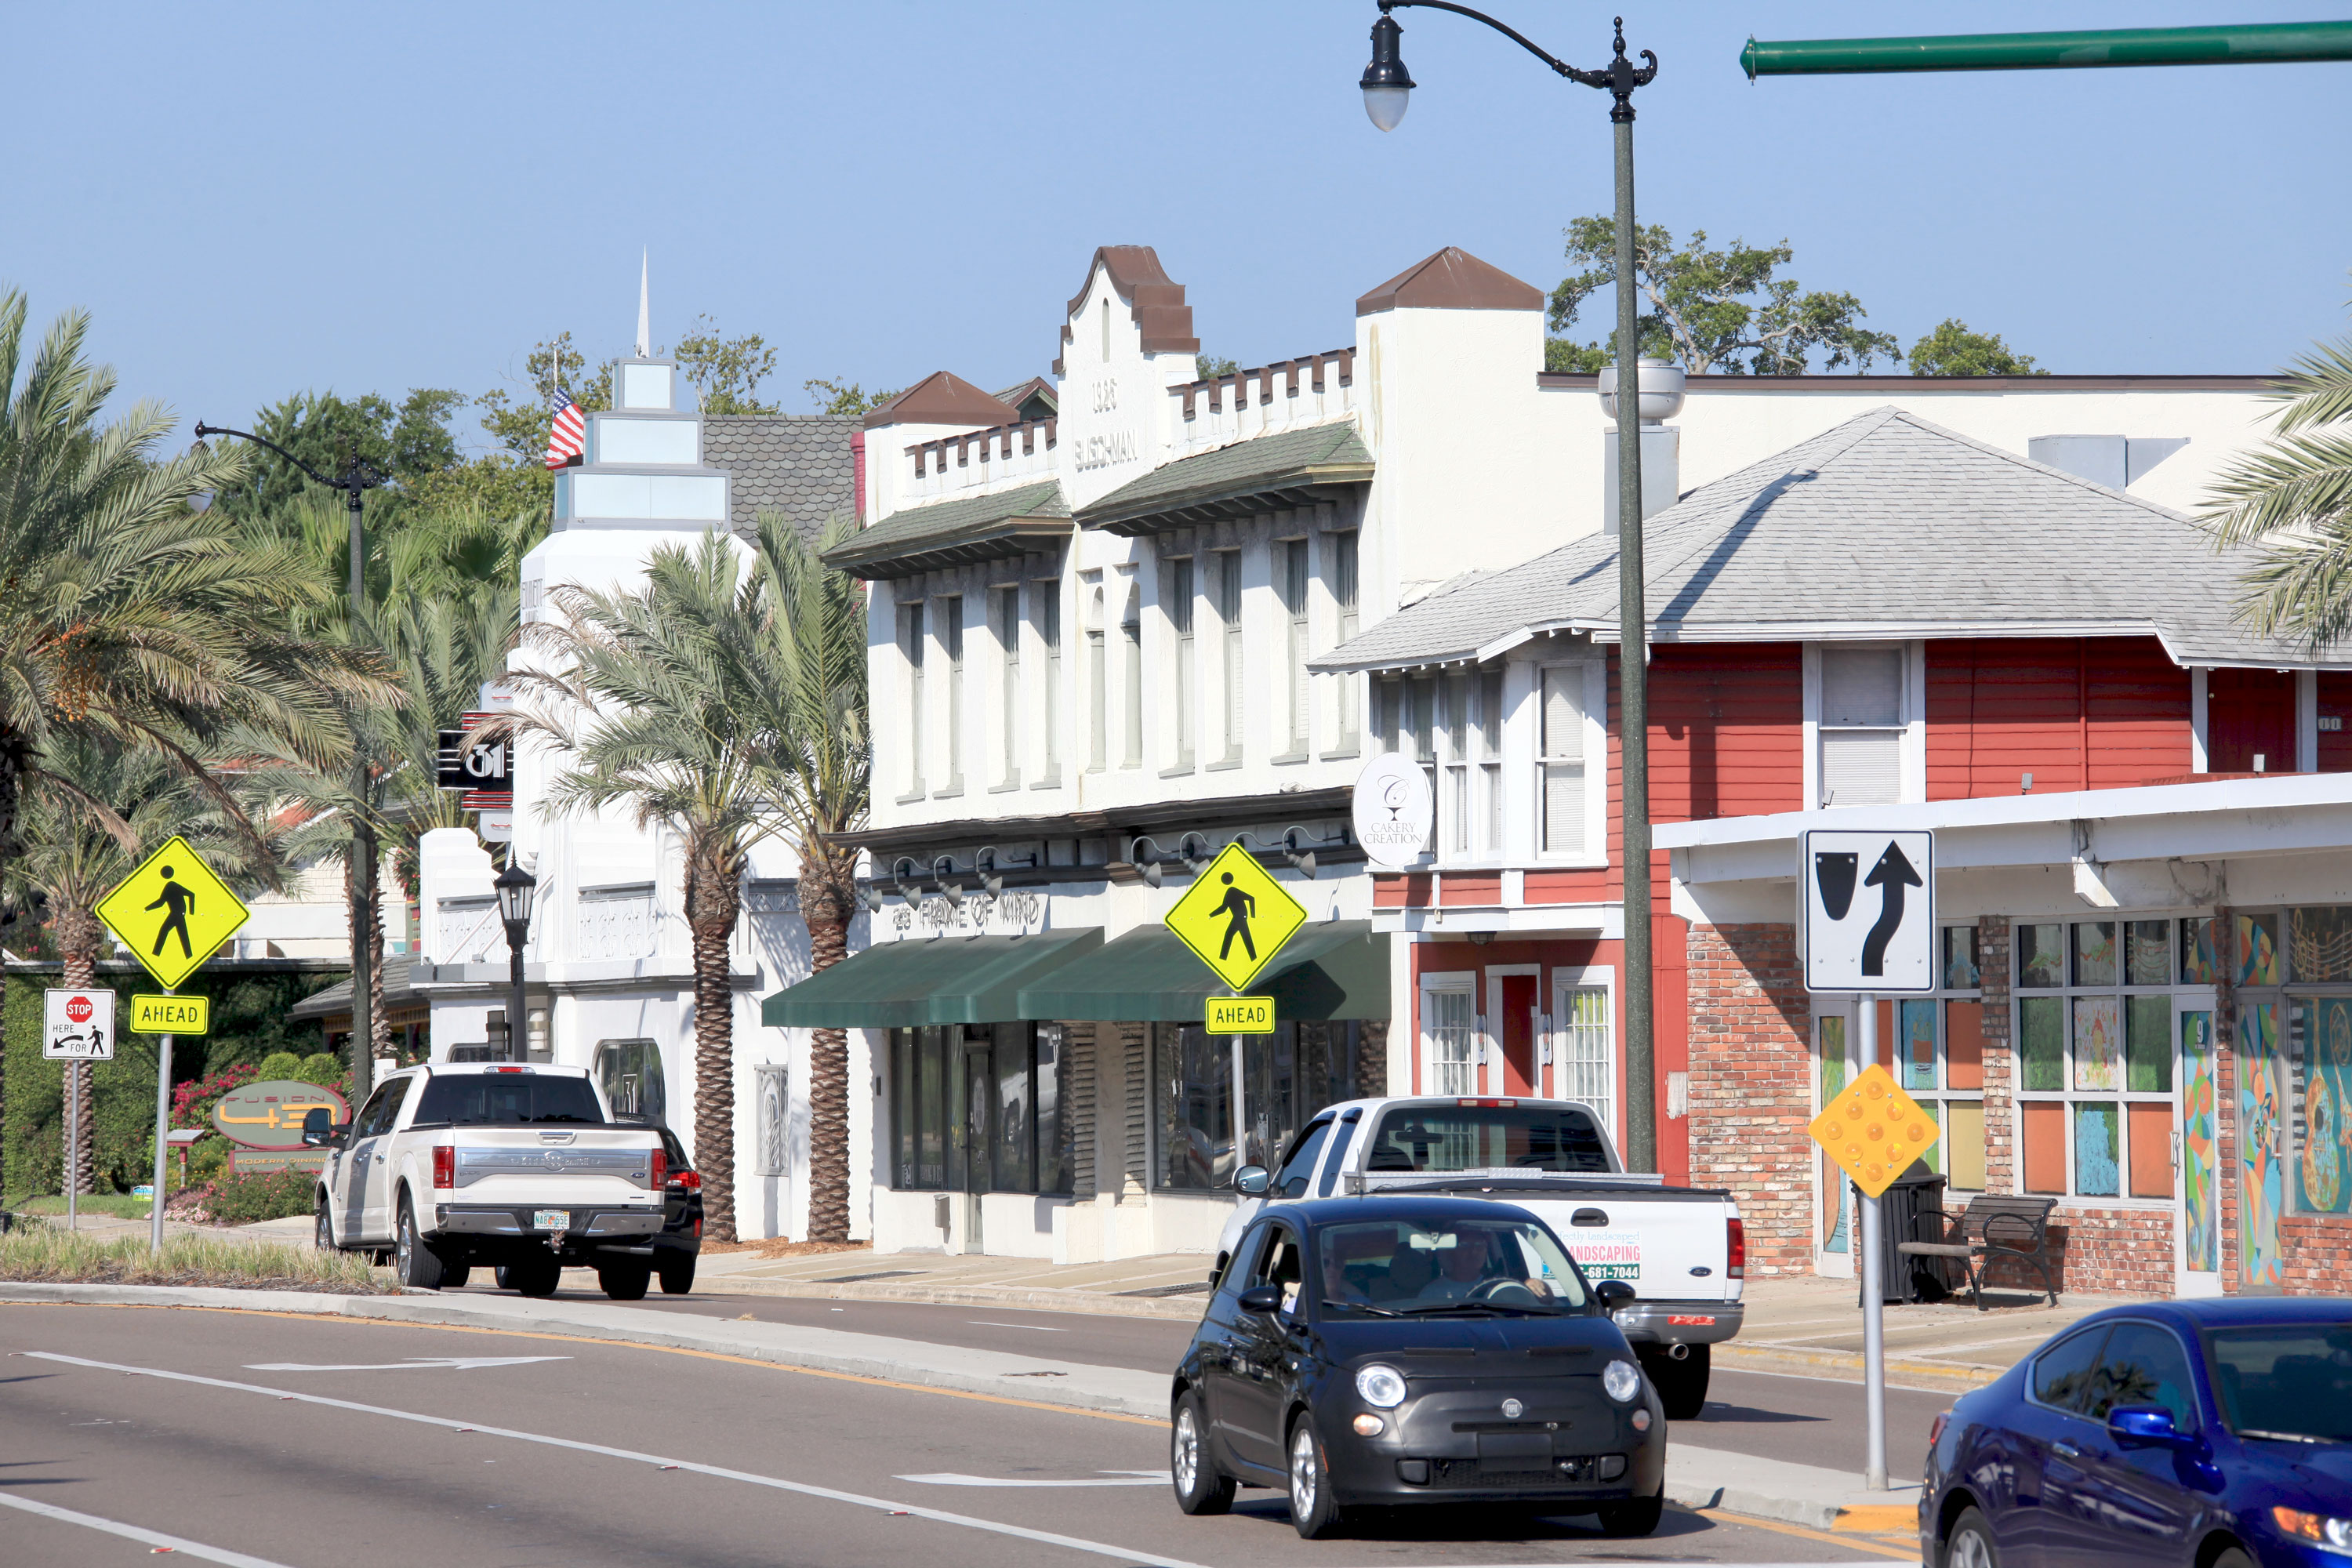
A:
(2249, 713)
(1519, 1036)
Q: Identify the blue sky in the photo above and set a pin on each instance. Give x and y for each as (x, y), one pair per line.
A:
(254, 199)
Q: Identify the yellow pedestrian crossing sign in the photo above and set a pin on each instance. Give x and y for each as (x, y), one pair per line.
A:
(1235, 917)
(173, 912)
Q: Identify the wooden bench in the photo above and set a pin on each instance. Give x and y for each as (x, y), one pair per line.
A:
(1990, 1229)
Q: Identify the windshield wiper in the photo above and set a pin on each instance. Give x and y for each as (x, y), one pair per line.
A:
(1361, 1307)
(1480, 1306)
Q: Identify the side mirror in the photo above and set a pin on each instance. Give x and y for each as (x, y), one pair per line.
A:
(1613, 1295)
(1262, 1299)
(318, 1123)
(1252, 1181)
(2143, 1426)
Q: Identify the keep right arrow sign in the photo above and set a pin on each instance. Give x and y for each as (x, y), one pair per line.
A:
(1870, 909)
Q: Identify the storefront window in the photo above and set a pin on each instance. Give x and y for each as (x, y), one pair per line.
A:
(1934, 1047)
(1193, 1073)
(977, 1108)
(2096, 1111)
(1449, 1028)
(1285, 1078)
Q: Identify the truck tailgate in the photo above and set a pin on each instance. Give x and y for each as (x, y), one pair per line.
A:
(1668, 1243)
(524, 1164)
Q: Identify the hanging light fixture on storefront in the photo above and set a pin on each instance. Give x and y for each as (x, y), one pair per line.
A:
(1155, 871)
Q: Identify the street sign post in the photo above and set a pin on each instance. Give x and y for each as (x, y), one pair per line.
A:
(170, 1015)
(76, 1028)
(1240, 1015)
(1235, 917)
(198, 913)
(1869, 902)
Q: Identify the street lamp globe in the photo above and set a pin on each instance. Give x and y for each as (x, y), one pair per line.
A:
(1386, 82)
(515, 887)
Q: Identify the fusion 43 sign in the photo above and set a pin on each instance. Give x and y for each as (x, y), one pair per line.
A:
(268, 1115)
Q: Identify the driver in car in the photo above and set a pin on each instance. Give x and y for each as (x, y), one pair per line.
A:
(1465, 1267)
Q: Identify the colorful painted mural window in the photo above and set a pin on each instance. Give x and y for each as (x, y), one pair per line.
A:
(2040, 957)
(2262, 1144)
(2200, 1216)
(2319, 945)
(1917, 1045)
(2257, 951)
(1836, 1201)
(1960, 958)
(2321, 1052)
(2095, 1064)
(2200, 961)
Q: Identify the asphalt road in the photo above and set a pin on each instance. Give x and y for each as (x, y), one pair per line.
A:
(1814, 1421)
(292, 1442)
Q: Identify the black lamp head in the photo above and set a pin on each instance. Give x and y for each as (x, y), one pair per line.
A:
(1386, 82)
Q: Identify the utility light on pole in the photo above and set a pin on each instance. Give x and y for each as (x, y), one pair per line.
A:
(1386, 85)
(358, 478)
(516, 888)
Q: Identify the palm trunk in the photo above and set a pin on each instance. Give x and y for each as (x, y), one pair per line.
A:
(828, 902)
(13, 750)
(714, 901)
(80, 937)
(380, 1025)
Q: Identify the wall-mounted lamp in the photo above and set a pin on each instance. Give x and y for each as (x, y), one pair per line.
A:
(1154, 871)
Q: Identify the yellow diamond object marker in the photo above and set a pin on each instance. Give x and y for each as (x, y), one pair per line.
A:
(1235, 917)
(1874, 1130)
(173, 912)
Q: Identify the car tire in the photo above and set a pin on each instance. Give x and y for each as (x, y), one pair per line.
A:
(1681, 1384)
(1314, 1510)
(678, 1275)
(2231, 1557)
(624, 1281)
(535, 1277)
(418, 1265)
(322, 1233)
(1200, 1487)
(1634, 1517)
(454, 1276)
(1970, 1543)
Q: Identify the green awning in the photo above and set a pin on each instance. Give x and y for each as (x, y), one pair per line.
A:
(1338, 969)
(935, 980)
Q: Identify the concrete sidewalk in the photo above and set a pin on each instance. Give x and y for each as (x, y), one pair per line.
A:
(1695, 1476)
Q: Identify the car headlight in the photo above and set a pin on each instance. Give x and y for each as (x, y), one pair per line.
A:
(1382, 1387)
(1622, 1380)
(2316, 1528)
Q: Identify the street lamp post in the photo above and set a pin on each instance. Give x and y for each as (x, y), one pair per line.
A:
(1386, 84)
(358, 478)
(516, 888)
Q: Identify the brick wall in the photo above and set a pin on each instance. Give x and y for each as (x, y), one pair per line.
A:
(2109, 1252)
(1751, 1097)
(2316, 1250)
(1995, 951)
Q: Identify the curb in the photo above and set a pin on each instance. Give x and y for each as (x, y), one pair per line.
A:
(665, 1333)
(1932, 1377)
(1088, 1303)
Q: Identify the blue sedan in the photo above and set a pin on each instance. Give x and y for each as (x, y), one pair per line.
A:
(2213, 1434)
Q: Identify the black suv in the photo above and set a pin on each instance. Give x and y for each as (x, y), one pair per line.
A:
(680, 1242)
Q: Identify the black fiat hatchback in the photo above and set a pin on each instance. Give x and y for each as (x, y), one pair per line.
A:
(1384, 1351)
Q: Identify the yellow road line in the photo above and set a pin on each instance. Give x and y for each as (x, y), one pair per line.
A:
(624, 1344)
(1780, 1527)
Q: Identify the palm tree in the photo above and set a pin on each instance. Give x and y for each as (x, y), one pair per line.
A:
(721, 701)
(127, 614)
(2291, 500)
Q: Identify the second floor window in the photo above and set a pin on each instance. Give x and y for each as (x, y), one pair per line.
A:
(1008, 665)
(1294, 609)
(951, 643)
(1049, 639)
(1343, 596)
(1862, 726)
(1098, 680)
(1180, 629)
(910, 646)
(1130, 653)
(1229, 622)
(1560, 759)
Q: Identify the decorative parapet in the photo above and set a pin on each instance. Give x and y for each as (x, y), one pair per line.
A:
(982, 460)
(1227, 408)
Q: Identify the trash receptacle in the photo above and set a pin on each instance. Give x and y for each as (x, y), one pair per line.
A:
(1916, 1192)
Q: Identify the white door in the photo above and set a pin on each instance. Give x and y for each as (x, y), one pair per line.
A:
(2197, 1146)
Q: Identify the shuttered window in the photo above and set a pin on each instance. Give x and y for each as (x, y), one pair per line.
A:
(1294, 607)
(1490, 761)
(1008, 669)
(1130, 653)
(1343, 596)
(1180, 625)
(951, 638)
(1049, 634)
(1229, 618)
(1561, 765)
(910, 644)
(1862, 726)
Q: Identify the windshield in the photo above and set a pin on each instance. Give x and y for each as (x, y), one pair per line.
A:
(1408, 1268)
(506, 1099)
(2293, 1381)
(1447, 1138)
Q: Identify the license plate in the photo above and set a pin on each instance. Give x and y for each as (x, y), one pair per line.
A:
(551, 1219)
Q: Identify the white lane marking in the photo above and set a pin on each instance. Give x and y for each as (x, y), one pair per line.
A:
(154, 1538)
(1035, 1328)
(1107, 1479)
(447, 1424)
(454, 1362)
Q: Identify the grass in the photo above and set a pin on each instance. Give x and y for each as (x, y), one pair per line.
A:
(43, 1252)
(120, 1205)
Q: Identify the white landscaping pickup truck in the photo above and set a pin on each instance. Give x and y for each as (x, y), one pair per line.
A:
(521, 1168)
(1681, 1249)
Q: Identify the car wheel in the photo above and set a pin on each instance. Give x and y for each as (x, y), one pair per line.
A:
(678, 1275)
(1314, 1511)
(454, 1278)
(504, 1275)
(1636, 1516)
(538, 1276)
(1970, 1543)
(417, 1264)
(1681, 1384)
(2231, 1557)
(1199, 1488)
(626, 1281)
(322, 1234)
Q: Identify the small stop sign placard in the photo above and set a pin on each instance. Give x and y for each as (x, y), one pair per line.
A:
(78, 1009)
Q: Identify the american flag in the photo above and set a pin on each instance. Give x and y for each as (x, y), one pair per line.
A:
(567, 441)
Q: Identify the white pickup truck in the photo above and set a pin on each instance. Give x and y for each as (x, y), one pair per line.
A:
(1681, 1249)
(519, 1168)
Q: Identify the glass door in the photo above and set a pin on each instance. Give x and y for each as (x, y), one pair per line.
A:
(1835, 1064)
(2196, 1147)
(975, 1098)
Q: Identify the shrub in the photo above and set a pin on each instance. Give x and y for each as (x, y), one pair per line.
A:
(323, 1068)
(52, 1253)
(281, 1064)
(243, 1200)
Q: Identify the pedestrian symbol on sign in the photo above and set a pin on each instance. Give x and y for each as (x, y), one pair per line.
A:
(173, 912)
(1235, 917)
(178, 900)
(1237, 909)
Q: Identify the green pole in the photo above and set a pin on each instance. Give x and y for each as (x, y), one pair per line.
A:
(1633, 685)
(2269, 43)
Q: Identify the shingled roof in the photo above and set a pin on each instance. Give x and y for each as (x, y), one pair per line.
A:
(1281, 470)
(798, 464)
(1887, 526)
(948, 533)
